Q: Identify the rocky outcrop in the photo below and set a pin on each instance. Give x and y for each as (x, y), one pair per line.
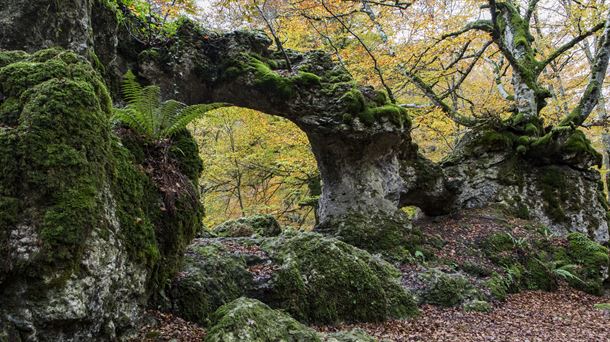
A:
(86, 235)
(550, 180)
(316, 279)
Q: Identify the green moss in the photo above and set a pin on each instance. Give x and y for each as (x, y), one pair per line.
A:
(353, 101)
(323, 280)
(307, 79)
(476, 269)
(498, 286)
(592, 259)
(538, 276)
(250, 320)
(269, 80)
(555, 192)
(578, 143)
(445, 289)
(211, 277)
(393, 113)
(375, 233)
(477, 306)
(494, 140)
(185, 152)
(260, 225)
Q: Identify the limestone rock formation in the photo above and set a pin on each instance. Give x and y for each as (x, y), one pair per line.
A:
(551, 182)
(86, 237)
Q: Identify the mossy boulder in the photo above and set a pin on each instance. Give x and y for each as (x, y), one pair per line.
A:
(547, 178)
(445, 289)
(324, 280)
(379, 233)
(477, 306)
(211, 277)
(84, 241)
(259, 225)
(250, 320)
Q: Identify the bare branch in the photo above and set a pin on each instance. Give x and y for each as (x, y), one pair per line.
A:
(569, 45)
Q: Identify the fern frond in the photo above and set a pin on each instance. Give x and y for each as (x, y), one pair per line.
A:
(131, 89)
(187, 115)
(148, 105)
(130, 117)
(169, 109)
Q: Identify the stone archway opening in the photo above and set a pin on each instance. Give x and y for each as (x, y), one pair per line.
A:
(255, 163)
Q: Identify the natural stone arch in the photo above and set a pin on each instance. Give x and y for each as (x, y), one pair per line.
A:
(368, 164)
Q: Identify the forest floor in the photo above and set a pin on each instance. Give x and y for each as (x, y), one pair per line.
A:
(564, 315)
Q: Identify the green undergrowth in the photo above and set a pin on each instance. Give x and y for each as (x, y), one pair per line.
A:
(539, 264)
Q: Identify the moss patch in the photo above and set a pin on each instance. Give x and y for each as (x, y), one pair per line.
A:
(323, 280)
(260, 225)
(250, 320)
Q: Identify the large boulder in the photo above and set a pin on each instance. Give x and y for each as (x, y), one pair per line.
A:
(86, 236)
(316, 279)
(250, 320)
(324, 280)
(548, 179)
(211, 277)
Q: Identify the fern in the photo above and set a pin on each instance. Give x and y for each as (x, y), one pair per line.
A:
(148, 115)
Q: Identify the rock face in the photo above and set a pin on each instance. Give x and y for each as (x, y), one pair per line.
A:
(316, 279)
(553, 184)
(85, 239)
(34, 25)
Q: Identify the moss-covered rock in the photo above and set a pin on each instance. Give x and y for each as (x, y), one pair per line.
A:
(260, 225)
(378, 233)
(211, 277)
(323, 280)
(250, 320)
(80, 218)
(477, 306)
(445, 289)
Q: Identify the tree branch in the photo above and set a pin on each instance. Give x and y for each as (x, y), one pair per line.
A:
(590, 98)
(569, 45)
